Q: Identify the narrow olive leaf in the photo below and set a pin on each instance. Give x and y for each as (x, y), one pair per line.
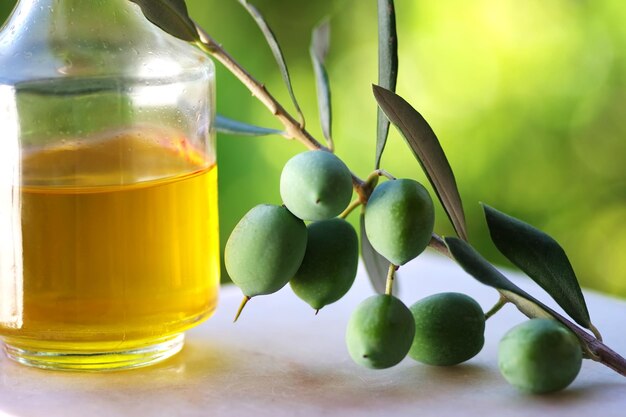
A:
(387, 66)
(171, 16)
(541, 258)
(320, 43)
(376, 265)
(427, 150)
(479, 268)
(233, 127)
(271, 40)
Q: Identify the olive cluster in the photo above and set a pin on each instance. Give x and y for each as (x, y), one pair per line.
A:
(272, 246)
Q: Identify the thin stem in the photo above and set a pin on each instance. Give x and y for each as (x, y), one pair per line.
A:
(241, 307)
(383, 173)
(330, 144)
(391, 273)
(595, 331)
(293, 128)
(438, 244)
(502, 301)
(356, 203)
(363, 189)
(372, 179)
(258, 90)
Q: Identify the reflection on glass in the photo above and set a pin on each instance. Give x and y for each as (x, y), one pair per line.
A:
(11, 265)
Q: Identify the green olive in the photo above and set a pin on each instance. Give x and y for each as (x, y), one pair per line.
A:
(399, 220)
(316, 185)
(540, 356)
(265, 249)
(449, 329)
(330, 263)
(380, 332)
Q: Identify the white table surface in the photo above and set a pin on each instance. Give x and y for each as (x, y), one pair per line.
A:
(281, 360)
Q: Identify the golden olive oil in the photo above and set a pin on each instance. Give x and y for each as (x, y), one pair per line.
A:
(119, 243)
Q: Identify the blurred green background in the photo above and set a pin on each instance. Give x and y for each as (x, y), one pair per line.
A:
(528, 99)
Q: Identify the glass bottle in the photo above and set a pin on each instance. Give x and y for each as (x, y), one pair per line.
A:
(108, 186)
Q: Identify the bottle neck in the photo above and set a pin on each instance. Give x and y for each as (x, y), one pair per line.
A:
(87, 19)
(88, 38)
(74, 6)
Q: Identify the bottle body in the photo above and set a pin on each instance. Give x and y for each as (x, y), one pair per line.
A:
(108, 195)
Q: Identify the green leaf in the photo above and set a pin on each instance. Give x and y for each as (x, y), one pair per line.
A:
(478, 267)
(171, 16)
(541, 258)
(387, 66)
(271, 40)
(376, 265)
(320, 43)
(427, 151)
(233, 127)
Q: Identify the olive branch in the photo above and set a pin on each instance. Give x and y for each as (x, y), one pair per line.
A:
(531, 250)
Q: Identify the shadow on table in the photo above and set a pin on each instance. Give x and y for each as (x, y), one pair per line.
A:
(237, 374)
(224, 378)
